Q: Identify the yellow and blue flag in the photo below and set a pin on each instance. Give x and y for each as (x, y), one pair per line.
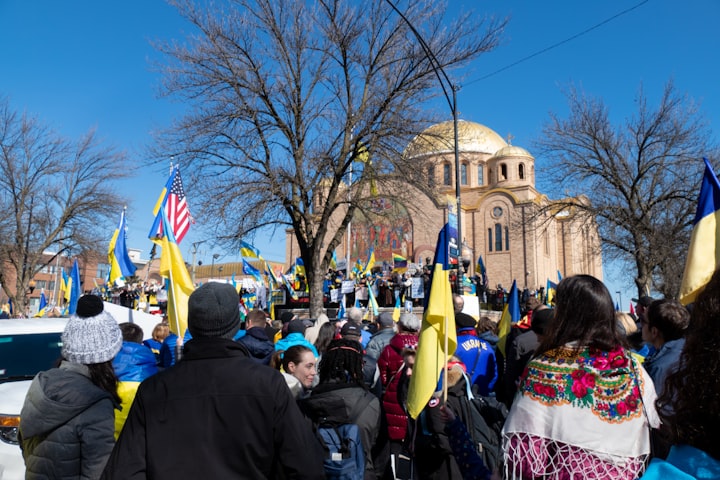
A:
(703, 256)
(120, 264)
(510, 315)
(370, 263)
(438, 328)
(42, 306)
(290, 288)
(65, 285)
(248, 269)
(299, 266)
(397, 309)
(373, 301)
(180, 285)
(75, 291)
(247, 250)
(550, 288)
(333, 261)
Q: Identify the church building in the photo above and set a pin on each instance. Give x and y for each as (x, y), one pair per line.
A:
(520, 233)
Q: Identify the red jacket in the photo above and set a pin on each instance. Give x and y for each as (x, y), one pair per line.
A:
(390, 363)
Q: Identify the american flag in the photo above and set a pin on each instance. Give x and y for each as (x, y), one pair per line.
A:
(177, 210)
(175, 205)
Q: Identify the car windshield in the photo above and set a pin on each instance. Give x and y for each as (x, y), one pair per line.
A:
(27, 354)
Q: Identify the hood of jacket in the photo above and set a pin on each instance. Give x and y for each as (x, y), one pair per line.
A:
(404, 340)
(134, 362)
(57, 396)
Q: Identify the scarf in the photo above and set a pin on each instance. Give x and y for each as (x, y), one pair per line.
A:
(580, 413)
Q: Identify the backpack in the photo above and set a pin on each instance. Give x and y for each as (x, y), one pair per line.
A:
(485, 420)
(341, 440)
(344, 451)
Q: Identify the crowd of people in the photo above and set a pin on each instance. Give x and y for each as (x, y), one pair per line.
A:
(579, 391)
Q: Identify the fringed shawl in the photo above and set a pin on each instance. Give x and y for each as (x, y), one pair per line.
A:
(580, 414)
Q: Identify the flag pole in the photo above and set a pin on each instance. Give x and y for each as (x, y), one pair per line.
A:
(445, 367)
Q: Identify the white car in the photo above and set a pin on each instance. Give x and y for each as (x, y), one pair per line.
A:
(29, 346)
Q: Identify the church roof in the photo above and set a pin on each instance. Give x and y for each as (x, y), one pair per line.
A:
(472, 137)
(512, 151)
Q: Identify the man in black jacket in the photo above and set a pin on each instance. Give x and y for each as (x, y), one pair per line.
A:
(256, 340)
(216, 413)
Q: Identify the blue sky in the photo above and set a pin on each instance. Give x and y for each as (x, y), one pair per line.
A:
(86, 64)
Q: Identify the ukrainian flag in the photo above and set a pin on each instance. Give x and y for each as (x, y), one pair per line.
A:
(370, 263)
(437, 331)
(247, 250)
(172, 267)
(43, 304)
(120, 264)
(510, 315)
(704, 254)
(550, 289)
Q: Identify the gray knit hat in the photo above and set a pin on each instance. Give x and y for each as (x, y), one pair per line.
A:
(91, 335)
(213, 310)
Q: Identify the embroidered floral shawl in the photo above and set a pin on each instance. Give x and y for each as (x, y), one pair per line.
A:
(580, 413)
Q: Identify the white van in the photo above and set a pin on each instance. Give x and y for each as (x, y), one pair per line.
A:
(29, 346)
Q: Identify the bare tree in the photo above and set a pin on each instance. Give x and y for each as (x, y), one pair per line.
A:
(642, 178)
(295, 100)
(54, 194)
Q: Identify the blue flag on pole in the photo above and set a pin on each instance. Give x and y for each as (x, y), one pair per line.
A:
(75, 291)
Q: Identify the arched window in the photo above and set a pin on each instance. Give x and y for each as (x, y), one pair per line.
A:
(481, 180)
(447, 178)
(490, 239)
(498, 237)
(431, 176)
(503, 172)
(521, 171)
(463, 174)
(507, 239)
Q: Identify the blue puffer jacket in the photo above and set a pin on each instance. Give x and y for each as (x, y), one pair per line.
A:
(133, 364)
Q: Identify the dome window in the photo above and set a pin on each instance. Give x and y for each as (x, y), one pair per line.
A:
(503, 172)
(480, 180)
(431, 176)
(447, 178)
(463, 174)
(521, 171)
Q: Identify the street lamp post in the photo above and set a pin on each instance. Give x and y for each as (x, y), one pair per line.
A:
(212, 265)
(452, 103)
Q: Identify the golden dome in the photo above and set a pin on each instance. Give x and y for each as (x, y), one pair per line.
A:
(512, 151)
(439, 138)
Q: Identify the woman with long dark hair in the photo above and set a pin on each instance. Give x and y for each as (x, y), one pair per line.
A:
(67, 422)
(584, 406)
(688, 406)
